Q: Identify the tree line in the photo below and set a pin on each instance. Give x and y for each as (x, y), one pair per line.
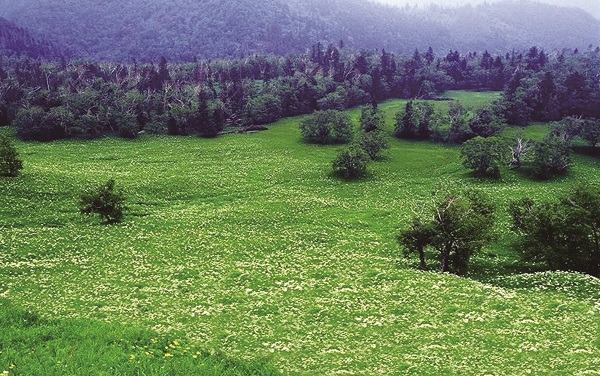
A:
(49, 100)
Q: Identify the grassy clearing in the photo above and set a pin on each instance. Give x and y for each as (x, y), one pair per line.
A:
(474, 100)
(246, 244)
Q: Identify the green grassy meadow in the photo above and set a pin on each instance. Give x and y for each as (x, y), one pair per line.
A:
(246, 244)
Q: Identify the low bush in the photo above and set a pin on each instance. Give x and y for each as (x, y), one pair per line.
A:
(351, 163)
(373, 143)
(326, 127)
(483, 156)
(105, 200)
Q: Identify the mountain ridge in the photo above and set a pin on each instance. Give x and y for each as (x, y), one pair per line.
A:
(182, 30)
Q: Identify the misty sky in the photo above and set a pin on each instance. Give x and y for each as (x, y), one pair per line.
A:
(592, 6)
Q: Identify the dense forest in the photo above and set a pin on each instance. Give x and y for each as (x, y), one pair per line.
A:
(183, 30)
(53, 100)
(15, 41)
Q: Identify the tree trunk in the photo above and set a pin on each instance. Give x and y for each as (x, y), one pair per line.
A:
(445, 257)
(422, 258)
(596, 257)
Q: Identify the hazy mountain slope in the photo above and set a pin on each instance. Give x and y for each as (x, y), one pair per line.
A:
(184, 29)
(17, 41)
(590, 6)
(521, 23)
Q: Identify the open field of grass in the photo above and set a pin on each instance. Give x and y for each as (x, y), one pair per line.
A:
(246, 244)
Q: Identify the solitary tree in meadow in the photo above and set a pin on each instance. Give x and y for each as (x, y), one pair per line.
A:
(371, 119)
(351, 163)
(458, 226)
(483, 156)
(551, 157)
(326, 127)
(105, 200)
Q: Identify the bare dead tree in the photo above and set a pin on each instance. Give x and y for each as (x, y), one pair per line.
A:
(518, 151)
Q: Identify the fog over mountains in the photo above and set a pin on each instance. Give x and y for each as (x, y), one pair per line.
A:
(182, 30)
(590, 6)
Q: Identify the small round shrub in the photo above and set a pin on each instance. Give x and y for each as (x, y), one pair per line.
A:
(373, 143)
(351, 163)
(10, 164)
(551, 157)
(326, 127)
(105, 200)
(482, 155)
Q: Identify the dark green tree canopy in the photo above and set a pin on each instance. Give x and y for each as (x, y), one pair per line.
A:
(564, 234)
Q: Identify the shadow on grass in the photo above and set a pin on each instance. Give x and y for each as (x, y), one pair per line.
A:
(589, 151)
(367, 177)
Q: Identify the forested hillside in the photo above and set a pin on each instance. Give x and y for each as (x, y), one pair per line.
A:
(17, 41)
(186, 29)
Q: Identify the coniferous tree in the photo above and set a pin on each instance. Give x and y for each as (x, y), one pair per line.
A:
(10, 163)
(163, 70)
(405, 126)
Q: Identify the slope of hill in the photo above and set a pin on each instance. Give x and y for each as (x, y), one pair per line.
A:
(18, 41)
(184, 29)
(246, 244)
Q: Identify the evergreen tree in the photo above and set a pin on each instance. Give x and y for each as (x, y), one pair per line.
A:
(163, 71)
(371, 120)
(429, 56)
(361, 64)
(203, 122)
(405, 125)
(10, 163)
